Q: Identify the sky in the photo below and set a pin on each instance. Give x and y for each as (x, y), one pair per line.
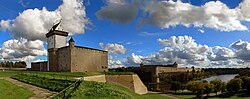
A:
(200, 33)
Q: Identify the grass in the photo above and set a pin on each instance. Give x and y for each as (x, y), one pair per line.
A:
(44, 82)
(97, 90)
(185, 95)
(239, 95)
(11, 91)
(8, 73)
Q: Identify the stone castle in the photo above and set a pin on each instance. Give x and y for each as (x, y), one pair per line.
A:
(71, 58)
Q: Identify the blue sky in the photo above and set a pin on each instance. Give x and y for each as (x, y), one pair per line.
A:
(141, 40)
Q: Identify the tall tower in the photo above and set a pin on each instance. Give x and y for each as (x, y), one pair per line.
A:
(55, 39)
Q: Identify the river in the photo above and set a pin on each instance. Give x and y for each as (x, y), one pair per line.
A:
(224, 78)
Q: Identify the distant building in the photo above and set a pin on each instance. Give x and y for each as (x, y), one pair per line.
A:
(62, 58)
(156, 70)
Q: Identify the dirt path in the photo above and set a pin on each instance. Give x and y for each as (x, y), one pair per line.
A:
(40, 93)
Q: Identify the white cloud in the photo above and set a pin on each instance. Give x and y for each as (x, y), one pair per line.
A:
(134, 59)
(33, 24)
(115, 63)
(201, 30)
(118, 11)
(113, 48)
(166, 14)
(242, 50)
(186, 52)
(39, 60)
(214, 15)
(221, 53)
(5, 25)
(243, 10)
(22, 50)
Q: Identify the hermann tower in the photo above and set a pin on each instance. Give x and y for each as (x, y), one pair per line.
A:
(55, 39)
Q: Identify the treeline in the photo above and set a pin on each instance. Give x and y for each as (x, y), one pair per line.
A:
(240, 84)
(221, 71)
(9, 64)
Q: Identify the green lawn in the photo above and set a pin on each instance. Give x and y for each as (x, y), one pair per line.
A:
(97, 90)
(11, 91)
(240, 95)
(183, 95)
(8, 73)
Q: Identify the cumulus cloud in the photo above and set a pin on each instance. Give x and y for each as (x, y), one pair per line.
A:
(134, 59)
(242, 49)
(187, 52)
(165, 14)
(5, 25)
(118, 11)
(113, 48)
(115, 63)
(33, 24)
(221, 53)
(22, 50)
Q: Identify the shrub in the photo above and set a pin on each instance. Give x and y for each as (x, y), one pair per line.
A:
(47, 83)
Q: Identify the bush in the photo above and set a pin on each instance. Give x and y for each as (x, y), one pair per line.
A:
(47, 83)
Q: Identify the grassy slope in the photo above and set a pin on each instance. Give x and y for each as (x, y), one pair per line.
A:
(11, 91)
(96, 90)
(183, 95)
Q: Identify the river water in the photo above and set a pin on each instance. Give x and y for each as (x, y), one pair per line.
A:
(224, 78)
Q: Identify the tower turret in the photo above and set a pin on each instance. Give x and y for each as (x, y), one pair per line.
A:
(71, 42)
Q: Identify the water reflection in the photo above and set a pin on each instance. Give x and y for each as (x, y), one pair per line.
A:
(224, 78)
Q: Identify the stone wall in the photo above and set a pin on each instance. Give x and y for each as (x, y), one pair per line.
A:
(39, 66)
(64, 59)
(88, 60)
(131, 82)
(98, 78)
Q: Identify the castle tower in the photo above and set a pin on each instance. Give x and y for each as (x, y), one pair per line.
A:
(55, 39)
(71, 42)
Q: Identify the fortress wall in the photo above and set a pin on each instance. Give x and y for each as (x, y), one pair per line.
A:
(64, 59)
(121, 80)
(139, 87)
(87, 60)
(132, 82)
(98, 78)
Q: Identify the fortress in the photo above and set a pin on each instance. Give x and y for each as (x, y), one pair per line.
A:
(71, 58)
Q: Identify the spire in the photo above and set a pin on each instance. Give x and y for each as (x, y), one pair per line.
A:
(71, 40)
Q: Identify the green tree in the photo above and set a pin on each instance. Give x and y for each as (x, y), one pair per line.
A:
(234, 85)
(246, 83)
(224, 87)
(208, 88)
(176, 85)
(217, 83)
(197, 88)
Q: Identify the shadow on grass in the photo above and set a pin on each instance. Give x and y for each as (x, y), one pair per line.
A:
(240, 94)
(184, 93)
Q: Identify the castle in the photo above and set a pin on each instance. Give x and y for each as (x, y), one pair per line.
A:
(71, 58)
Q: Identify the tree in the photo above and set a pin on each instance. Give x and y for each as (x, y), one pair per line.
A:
(246, 83)
(176, 85)
(217, 83)
(208, 88)
(234, 85)
(196, 88)
(224, 87)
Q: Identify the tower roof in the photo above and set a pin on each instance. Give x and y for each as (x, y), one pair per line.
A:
(57, 32)
(71, 40)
